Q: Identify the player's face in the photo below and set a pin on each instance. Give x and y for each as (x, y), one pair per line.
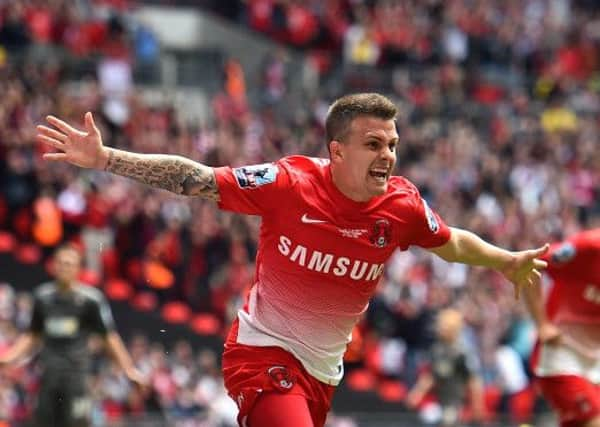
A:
(365, 159)
(66, 265)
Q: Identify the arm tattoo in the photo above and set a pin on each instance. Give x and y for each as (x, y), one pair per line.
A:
(173, 173)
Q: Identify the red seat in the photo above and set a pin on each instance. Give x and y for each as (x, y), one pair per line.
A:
(392, 391)
(205, 324)
(176, 312)
(118, 289)
(361, 380)
(28, 254)
(7, 242)
(89, 277)
(145, 301)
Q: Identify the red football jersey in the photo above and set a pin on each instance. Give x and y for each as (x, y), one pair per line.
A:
(573, 304)
(320, 254)
(574, 266)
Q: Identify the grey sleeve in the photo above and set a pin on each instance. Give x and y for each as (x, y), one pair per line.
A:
(102, 320)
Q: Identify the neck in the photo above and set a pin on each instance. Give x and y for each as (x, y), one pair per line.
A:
(338, 181)
(63, 285)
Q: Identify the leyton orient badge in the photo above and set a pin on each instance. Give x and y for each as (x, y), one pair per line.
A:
(281, 378)
(380, 233)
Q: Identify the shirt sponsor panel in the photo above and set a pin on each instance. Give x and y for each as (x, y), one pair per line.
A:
(328, 263)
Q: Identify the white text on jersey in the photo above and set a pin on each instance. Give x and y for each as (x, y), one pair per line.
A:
(329, 263)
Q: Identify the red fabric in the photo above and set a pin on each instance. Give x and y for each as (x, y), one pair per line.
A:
(280, 410)
(252, 372)
(575, 399)
(573, 295)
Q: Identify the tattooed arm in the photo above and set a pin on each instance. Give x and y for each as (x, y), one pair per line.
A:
(85, 149)
(173, 173)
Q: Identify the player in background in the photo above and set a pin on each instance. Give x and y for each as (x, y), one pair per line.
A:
(64, 314)
(453, 372)
(566, 361)
(328, 227)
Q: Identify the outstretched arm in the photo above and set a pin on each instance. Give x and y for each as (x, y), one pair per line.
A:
(85, 149)
(521, 268)
(173, 173)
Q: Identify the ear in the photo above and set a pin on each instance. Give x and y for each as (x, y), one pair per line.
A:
(335, 150)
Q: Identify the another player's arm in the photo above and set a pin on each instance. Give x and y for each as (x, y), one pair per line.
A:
(173, 173)
(24, 346)
(117, 349)
(102, 321)
(521, 268)
(424, 384)
(476, 389)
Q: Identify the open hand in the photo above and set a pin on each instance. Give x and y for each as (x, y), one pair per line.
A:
(524, 268)
(81, 148)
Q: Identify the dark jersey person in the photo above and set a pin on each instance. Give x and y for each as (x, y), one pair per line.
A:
(328, 226)
(567, 357)
(64, 315)
(452, 372)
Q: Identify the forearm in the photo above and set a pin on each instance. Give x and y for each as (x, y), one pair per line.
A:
(468, 248)
(534, 300)
(421, 388)
(119, 352)
(22, 347)
(477, 394)
(168, 172)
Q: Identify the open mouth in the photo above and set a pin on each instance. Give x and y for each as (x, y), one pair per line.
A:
(379, 175)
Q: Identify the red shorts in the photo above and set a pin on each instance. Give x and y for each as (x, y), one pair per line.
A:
(575, 399)
(249, 371)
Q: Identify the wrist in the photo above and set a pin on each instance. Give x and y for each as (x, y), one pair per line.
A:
(106, 155)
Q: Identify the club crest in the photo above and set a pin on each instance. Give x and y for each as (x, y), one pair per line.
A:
(281, 378)
(380, 233)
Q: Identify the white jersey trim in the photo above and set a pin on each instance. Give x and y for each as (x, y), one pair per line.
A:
(563, 360)
(252, 333)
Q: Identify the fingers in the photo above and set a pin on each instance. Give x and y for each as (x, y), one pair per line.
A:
(63, 126)
(540, 264)
(51, 133)
(540, 251)
(55, 156)
(90, 126)
(51, 142)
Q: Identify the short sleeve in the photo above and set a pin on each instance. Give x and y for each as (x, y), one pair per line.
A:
(101, 315)
(252, 190)
(428, 228)
(36, 324)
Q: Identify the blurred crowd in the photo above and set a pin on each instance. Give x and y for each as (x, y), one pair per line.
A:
(499, 129)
